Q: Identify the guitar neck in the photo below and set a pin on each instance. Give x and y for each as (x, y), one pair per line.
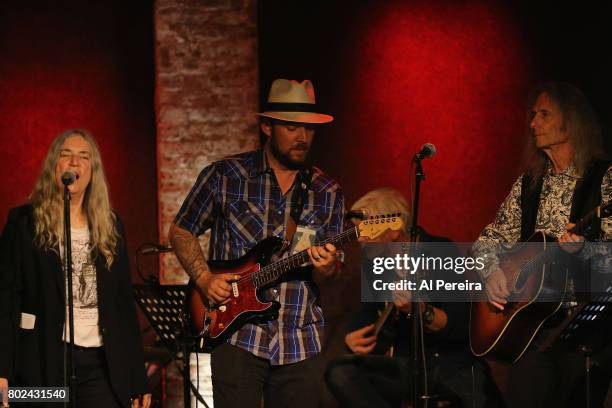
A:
(275, 270)
(382, 319)
(581, 227)
(586, 222)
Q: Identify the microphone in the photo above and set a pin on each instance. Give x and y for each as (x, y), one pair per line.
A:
(69, 177)
(155, 249)
(428, 150)
(359, 214)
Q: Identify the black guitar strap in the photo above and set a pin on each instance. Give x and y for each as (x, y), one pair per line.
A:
(530, 199)
(303, 180)
(587, 195)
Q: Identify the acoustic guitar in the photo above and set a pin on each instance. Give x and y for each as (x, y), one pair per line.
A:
(537, 284)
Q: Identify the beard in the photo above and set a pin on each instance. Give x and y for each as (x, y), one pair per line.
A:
(285, 158)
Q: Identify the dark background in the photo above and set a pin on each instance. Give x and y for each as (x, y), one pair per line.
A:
(398, 74)
(395, 74)
(74, 64)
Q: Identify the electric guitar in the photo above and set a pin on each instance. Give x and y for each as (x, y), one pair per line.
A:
(536, 291)
(213, 324)
(385, 330)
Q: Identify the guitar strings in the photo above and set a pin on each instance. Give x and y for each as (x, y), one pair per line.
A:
(287, 263)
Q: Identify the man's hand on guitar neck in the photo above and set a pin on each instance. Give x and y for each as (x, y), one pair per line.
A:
(323, 259)
(497, 289)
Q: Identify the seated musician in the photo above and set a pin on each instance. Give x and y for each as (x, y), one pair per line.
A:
(367, 378)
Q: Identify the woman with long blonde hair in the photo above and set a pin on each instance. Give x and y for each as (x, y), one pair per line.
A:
(109, 362)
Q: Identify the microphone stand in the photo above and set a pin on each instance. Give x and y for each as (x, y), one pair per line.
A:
(414, 306)
(69, 294)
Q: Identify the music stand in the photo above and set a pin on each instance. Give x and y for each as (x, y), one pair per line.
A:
(163, 305)
(589, 331)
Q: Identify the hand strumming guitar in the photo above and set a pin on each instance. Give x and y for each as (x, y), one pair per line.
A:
(217, 288)
(497, 289)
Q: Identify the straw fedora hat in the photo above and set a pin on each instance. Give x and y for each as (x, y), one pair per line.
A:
(293, 101)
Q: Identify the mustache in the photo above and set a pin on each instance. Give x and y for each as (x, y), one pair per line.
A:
(300, 146)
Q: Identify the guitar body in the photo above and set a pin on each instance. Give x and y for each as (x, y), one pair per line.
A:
(215, 324)
(535, 296)
(260, 268)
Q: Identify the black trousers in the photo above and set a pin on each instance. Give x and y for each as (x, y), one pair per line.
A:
(93, 383)
(377, 381)
(556, 378)
(93, 387)
(241, 380)
(369, 381)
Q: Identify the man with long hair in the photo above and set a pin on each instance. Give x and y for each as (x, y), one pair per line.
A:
(566, 177)
(244, 199)
(109, 362)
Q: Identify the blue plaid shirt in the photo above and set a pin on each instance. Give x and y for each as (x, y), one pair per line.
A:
(241, 201)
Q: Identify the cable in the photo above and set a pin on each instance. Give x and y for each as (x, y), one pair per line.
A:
(195, 391)
(473, 388)
(197, 375)
(178, 363)
(425, 386)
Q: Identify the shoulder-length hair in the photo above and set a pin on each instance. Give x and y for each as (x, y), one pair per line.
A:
(578, 119)
(46, 199)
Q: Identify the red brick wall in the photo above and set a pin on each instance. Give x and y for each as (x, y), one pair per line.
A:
(207, 95)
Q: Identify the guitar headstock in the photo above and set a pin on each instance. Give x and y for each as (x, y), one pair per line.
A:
(376, 225)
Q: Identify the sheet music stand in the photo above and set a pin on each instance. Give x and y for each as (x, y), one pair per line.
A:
(594, 318)
(163, 305)
(589, 332)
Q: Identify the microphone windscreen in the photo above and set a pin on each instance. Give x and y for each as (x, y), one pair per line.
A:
(68, 178)
(431, 149)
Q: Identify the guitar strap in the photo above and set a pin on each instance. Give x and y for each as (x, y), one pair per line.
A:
(587, 195)
(530, 199)
(298, 199)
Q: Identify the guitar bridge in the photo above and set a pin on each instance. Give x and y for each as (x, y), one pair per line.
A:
(235, 289)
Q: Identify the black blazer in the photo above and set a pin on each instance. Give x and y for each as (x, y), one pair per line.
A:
(31, 281)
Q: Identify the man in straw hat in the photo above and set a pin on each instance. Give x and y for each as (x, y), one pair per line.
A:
(244, 199)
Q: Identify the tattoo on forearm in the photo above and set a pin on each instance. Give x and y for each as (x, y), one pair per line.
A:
(188, 252)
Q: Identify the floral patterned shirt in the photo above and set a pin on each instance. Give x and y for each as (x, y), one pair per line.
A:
(552, 218)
